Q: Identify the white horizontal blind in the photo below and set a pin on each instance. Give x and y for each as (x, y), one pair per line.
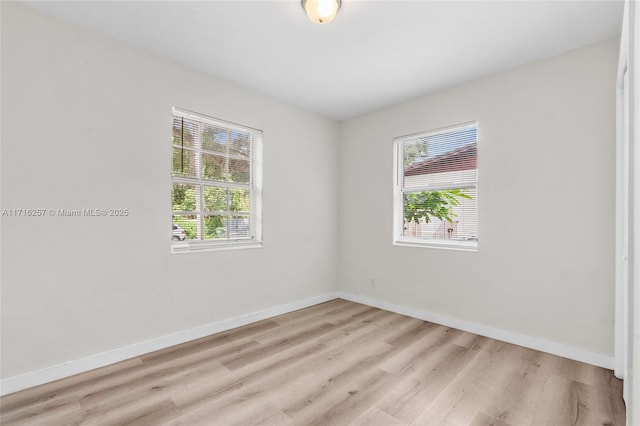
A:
(213, 183)
(439, 185)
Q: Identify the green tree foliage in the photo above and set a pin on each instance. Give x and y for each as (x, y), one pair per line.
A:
(189, 224)
(214, 227)
(215, 165)
(184, 197)
(415, 151)
(432, 204)
(215, 200)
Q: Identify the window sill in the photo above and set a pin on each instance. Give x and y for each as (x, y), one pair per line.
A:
(198, 247)
(435, 244)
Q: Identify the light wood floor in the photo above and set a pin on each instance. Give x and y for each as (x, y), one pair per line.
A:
(338, 363)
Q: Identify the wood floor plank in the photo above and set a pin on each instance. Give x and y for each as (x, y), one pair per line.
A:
(356, 400)
(374, 326)
(67, 413)
(345, 370)
(575, 403)
(484, 375)
(421, 384)
(259, 371)
(319, 361)
(266, 414)
(135, 413)
(264, 351)
(421, 340)
(376, 417)
(338, 319)
(217, 340)
(324, 310)
(336, 363)
(482, 419)
(53, 392)
(152, 388)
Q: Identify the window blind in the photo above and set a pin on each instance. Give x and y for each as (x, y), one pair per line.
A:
(213, 179)
(438, 183)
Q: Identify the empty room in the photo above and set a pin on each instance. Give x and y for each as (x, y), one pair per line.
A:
(382, 212)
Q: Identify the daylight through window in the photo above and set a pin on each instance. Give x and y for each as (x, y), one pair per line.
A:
(436, 194)
(215, 183)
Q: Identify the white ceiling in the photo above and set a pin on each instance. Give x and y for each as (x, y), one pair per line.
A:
(374, 54)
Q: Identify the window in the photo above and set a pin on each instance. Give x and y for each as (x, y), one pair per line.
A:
(436, 188)
(215, 184)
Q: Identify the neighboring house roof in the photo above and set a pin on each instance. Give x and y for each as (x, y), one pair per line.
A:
(463, 158)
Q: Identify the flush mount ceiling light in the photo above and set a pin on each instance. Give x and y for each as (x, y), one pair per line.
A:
(321, 11)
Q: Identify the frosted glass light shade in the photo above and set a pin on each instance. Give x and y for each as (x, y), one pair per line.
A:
(321, 11)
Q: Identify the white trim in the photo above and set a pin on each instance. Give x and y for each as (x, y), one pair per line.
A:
(399, 189)
(66, 369)
(254, 188)
(623, 58)
(439, 131)
(69, 368)
(632, 384)
(450, 185)
(211, 183)
(215, 121)
(542, 345)
(195, 246)
(257, 176)
(622, 209)
(437, 244)
(621, 188)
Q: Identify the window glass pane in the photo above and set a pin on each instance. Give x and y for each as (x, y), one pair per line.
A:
(184, 163)
(214, 138)
(211, 172)
(240, 144)
(439, 185)
(415, 151)
(454, 165)
(239, 170)
(449, 214)
(183, 135)
(239, 200)
(239, 227)
(184, 197)
(442, 159)
(215, 227)
(176, 137)
(220, 227)
(214, 167)
(441, 179)
(215, 199)
(185, 227)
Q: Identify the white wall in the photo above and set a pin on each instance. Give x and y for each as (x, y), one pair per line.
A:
(74, 287)
(546, 157)
(86, 123)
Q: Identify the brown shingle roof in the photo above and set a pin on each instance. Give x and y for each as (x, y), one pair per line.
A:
(463, 158)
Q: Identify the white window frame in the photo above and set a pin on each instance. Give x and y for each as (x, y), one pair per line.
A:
(398, 195)
(254, 187)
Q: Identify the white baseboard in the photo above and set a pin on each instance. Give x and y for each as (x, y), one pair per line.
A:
(55, 372)
(542, 345)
